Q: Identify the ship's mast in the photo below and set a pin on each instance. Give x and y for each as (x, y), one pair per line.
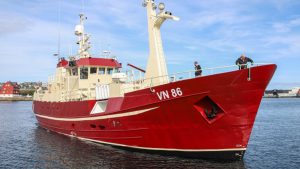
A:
(156, 65)
(83, 38)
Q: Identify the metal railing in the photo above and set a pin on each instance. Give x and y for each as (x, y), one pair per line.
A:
(159, 80)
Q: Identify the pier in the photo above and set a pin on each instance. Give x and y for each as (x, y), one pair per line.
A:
(16, 98)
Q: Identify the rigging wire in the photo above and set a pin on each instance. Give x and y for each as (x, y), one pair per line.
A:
(59, 30)
(82, 6)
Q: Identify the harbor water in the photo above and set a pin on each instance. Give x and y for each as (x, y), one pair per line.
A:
(274, 143)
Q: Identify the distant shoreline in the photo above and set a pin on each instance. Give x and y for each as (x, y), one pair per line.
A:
(16, 98)
(31, 98)
(280, 97)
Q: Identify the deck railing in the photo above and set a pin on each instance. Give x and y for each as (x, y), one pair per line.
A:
(155, 81)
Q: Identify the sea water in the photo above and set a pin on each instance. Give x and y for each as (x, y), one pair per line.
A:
(274, 143)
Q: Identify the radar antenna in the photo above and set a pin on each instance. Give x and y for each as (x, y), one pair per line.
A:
(58, 31)
(83, 38)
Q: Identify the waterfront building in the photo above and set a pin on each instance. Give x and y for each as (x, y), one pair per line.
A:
(10, 89)
(294, 92)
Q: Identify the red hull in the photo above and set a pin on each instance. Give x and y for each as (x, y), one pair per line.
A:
(145, 120)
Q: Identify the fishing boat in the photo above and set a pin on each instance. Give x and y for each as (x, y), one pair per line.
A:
(208, 116)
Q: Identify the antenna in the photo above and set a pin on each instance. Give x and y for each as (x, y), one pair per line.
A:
(70, 50)
(58, 31)
(82, 6)
(83, 38)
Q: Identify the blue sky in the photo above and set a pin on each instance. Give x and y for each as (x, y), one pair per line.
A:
(214, 33)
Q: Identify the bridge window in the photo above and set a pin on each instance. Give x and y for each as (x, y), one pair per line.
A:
(116, 70)
(84, 73)
(93, 70)
(110, 71)
(74, 72)
(101, 71)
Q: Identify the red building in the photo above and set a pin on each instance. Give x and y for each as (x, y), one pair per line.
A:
(10, 89)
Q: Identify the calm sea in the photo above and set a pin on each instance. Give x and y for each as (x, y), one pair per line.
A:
(274, 143)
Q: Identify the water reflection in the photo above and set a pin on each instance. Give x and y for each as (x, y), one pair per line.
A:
(58, 151)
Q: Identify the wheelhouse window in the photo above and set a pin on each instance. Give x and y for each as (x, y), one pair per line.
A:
(101, 71)
(84, 73)
(74, 72)
(116, 70)
(109, 71)
(93, 70)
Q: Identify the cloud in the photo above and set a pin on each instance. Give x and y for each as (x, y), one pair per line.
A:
(282, 5)
(13, 23)
(286, 26)
(295, 22)
(283, 85)
(31, 39)
(281, 27)
(212, 32)
(206, 19)
(284, 46)
(191, 47)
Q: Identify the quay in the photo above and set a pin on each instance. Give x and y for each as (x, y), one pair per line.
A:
(16, 98)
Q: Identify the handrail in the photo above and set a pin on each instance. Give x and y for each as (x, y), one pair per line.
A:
(212, 68)
(174, 75)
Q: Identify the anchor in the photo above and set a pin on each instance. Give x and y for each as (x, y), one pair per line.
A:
(213, 113)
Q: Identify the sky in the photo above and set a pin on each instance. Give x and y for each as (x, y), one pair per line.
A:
(214, 33)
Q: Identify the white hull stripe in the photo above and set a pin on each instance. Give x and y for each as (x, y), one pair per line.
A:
(97, 117)
(162, 149)
(157, 149)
